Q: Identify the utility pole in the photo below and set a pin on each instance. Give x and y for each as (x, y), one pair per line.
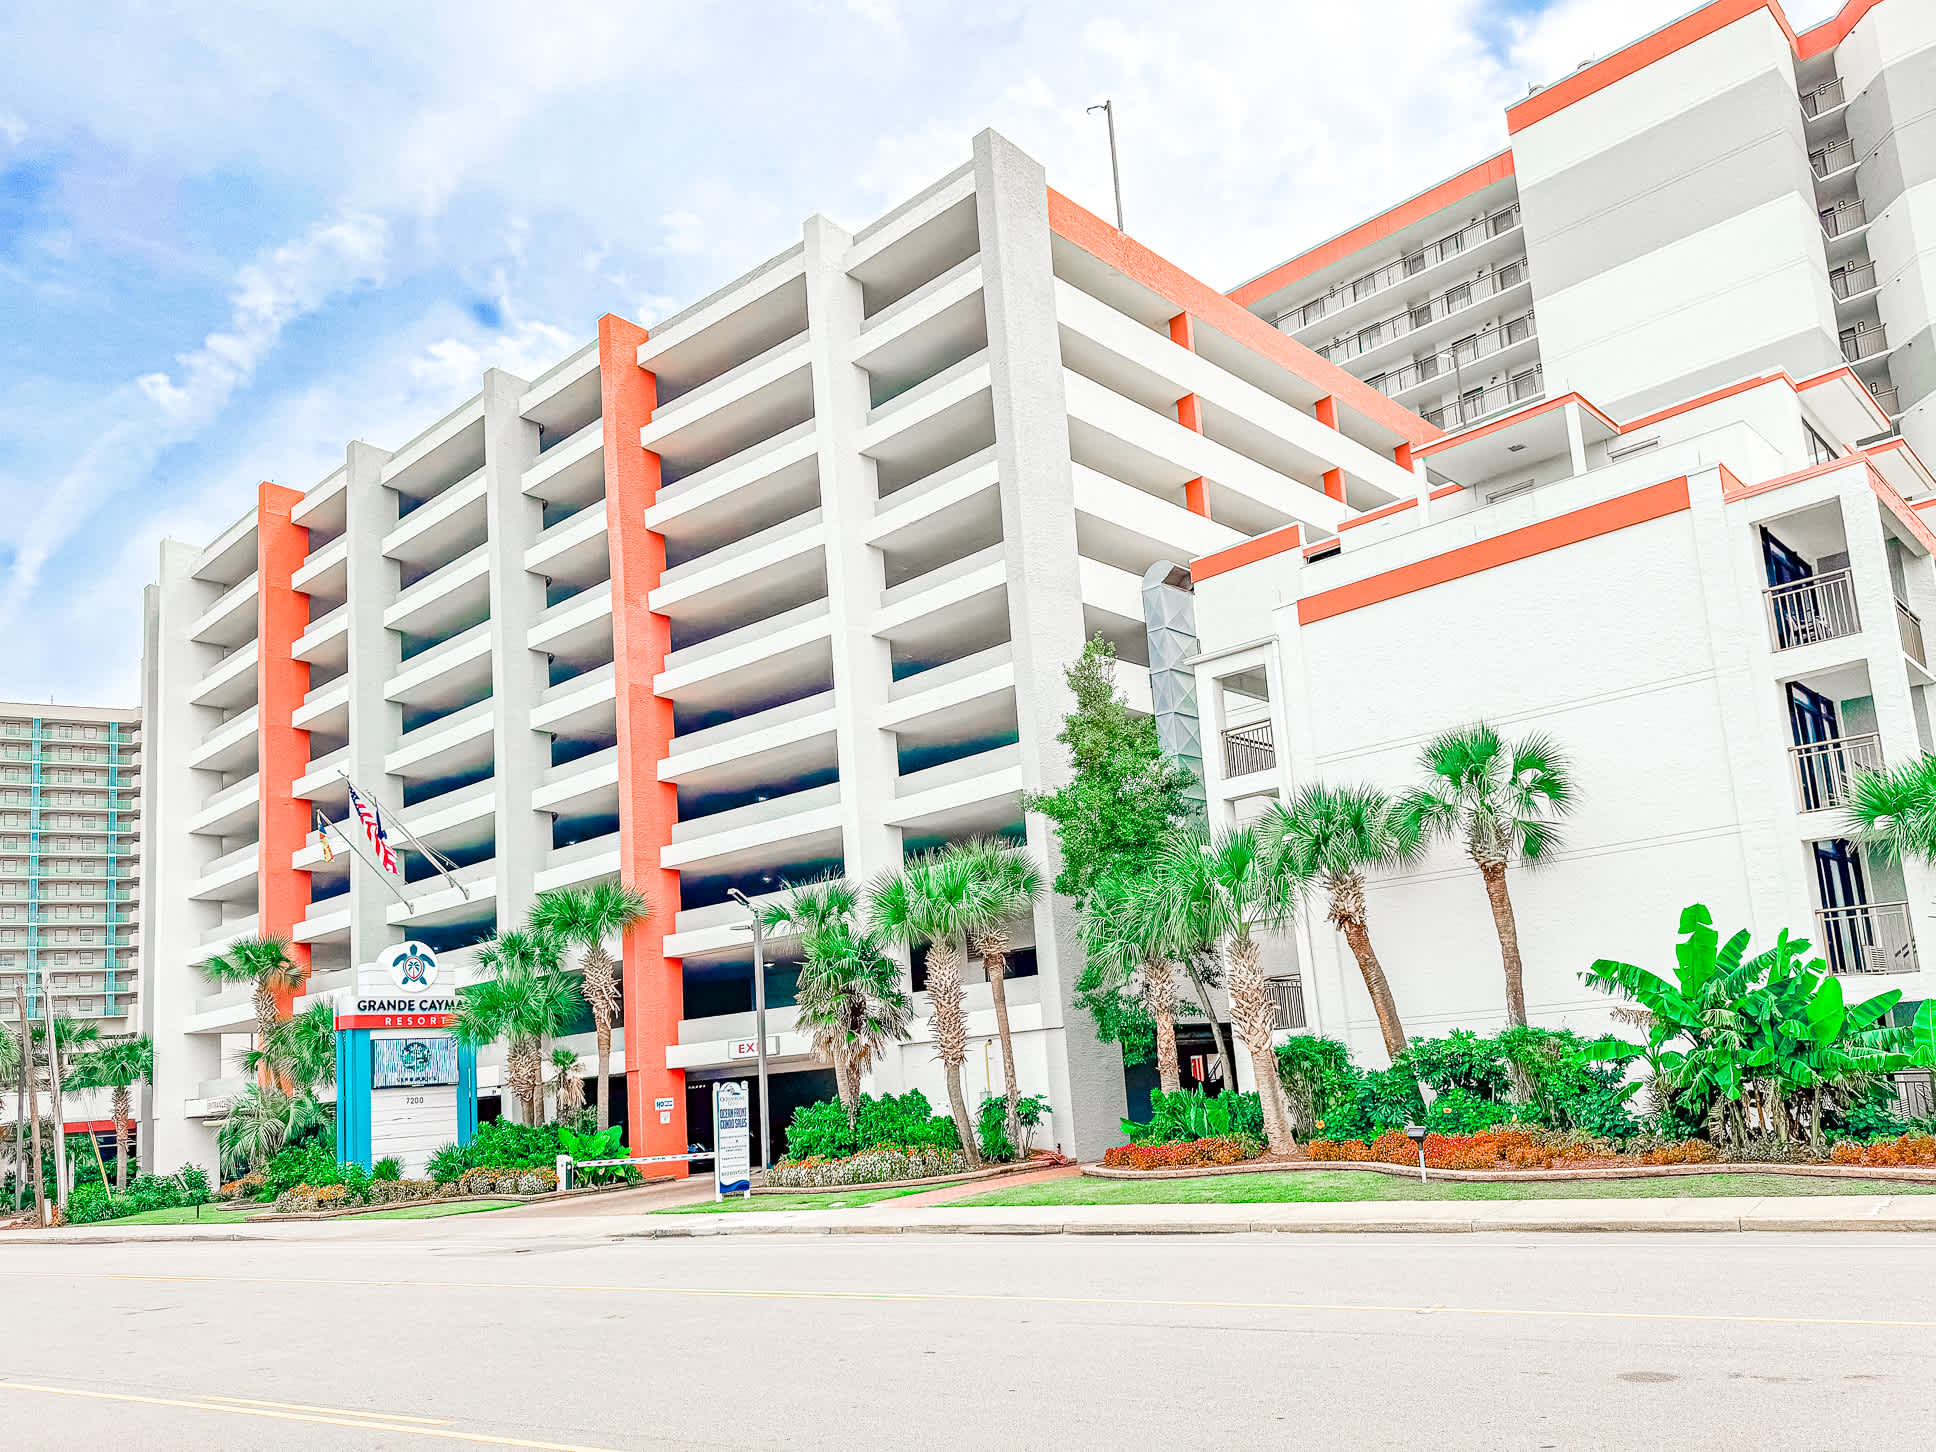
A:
(54, 1095)
(1115, 171)
(33, 1099)
(759, 1024)
(20, 1105)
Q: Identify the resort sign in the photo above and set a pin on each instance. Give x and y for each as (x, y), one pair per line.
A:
(404, 1084)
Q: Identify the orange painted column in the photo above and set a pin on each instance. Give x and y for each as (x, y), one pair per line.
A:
(647, 807)
(282, 614)
(1326, 410)
(1189, 413)
(1402, 456)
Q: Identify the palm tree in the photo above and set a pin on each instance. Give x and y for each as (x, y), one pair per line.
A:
(1894, 809)
(584, 917)
(1217, 890)
(300, 1052)
(566, 1085)
(525, 1000)
(1501, 799)
(1125, 937)
(259, 1121)
(264, 963)
(938, 899)
(1011, 884)
(1329, 837)
(849, 994)
(116, 1065)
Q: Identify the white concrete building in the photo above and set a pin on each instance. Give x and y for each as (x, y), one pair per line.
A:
(1714, 608)
(1719, 198)
(787, 585)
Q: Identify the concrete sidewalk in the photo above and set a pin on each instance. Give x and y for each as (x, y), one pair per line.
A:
(1824, 1213)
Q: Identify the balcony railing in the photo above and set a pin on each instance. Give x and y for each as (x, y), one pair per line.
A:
(1825, 97)
(1443, 305)
(1447, 364)
(1909, 627)
(1825, 771)
(1844, 217)
(1819, 608)
(1860, 343)
(1872, 938)
(1915, 1095)
(1852, 281)
(1479, 402)
(1393, 273)
(1288, 995)
(1885, 395)
(1249, 749)
(1833, 158)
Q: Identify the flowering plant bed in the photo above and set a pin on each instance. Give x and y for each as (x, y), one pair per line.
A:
(1223, 1149)
(986, 1172)
(1509, 1148)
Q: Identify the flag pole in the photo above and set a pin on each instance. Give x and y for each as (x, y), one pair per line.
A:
(345, 836)
(430, 854)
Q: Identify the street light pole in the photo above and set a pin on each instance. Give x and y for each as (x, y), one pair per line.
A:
(759, 1021)
(1115, 171)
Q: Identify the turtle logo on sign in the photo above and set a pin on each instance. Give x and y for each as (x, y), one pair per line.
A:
(412, 965)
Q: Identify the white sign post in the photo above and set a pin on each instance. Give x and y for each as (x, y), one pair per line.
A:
(732, 1170)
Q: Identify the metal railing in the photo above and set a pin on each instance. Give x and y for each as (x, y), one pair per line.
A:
(1288, 995)
(1844, 217)
(1441, 305)
(1871, 938)
(1825, 771)
(1914, 1093)
(1479, 402)
(1885, 395)
(1832, 158)
(1446, 364)
(1909, 626)
(1249, 749)
(1848, 282)
(1825, 97)
(1393, 273)
(1822, 607)
(1860, 343)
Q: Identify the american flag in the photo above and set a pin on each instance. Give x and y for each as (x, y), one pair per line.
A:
(372, 820)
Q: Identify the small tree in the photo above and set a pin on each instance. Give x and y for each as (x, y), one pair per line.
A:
(1502, 801)
(1330, 837)
(525, 1000)
(566, 1085)
(584, 917)
(264, 964)
(1011, 883)
(300, 1052)
(116, 1065)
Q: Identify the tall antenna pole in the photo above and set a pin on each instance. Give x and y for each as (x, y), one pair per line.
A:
(1115, 170)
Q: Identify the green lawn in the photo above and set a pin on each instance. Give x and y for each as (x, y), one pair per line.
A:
(806, 1200)
(210, 1215)
(437, 1212)
(1326, 1186)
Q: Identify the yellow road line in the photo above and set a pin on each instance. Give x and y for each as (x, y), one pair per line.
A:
(334, 1411)
(987, 1298)
(238, 1411)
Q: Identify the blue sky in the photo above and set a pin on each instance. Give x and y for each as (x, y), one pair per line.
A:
(234, 237)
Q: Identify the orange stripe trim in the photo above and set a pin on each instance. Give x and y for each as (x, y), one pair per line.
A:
(1277, 542)
(282, 614)
(1654, 502)
(1689, 405)
(1205, 304)
(1637, 57)
(1446, 491)
(654, 984)
(1376, 514)
(1732, 489)
(1413, 209)
(1833, 31)
(1532, 410)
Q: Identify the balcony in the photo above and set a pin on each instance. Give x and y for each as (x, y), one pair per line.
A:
(1909, 628)
(1871, 938)
(1443, 305)
(1392, 274)
(1836, 156)
(1864, 342)
(1805, 612)
(1825, 771)
(1823, 99)
(1446, 365)
(1845, 218)
(1886, 398)
(1250, 749)
(1288, 995)
(1852, 281)
(1481, 403)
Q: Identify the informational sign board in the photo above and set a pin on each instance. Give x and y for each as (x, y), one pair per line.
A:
(732, 1159)
(404, 1083)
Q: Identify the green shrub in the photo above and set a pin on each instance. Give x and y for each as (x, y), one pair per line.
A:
(387, 1169)
(884, 1162)
(1460, 1111)
(819, 1131)
(1190, 1114)
(392, 1192)
(449, 1162)
(310, 1163)
(88, 1203)
(991, 1125)
(192, 1183)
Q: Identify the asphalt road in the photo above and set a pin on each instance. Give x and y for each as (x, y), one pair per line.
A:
(1310, 1341)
